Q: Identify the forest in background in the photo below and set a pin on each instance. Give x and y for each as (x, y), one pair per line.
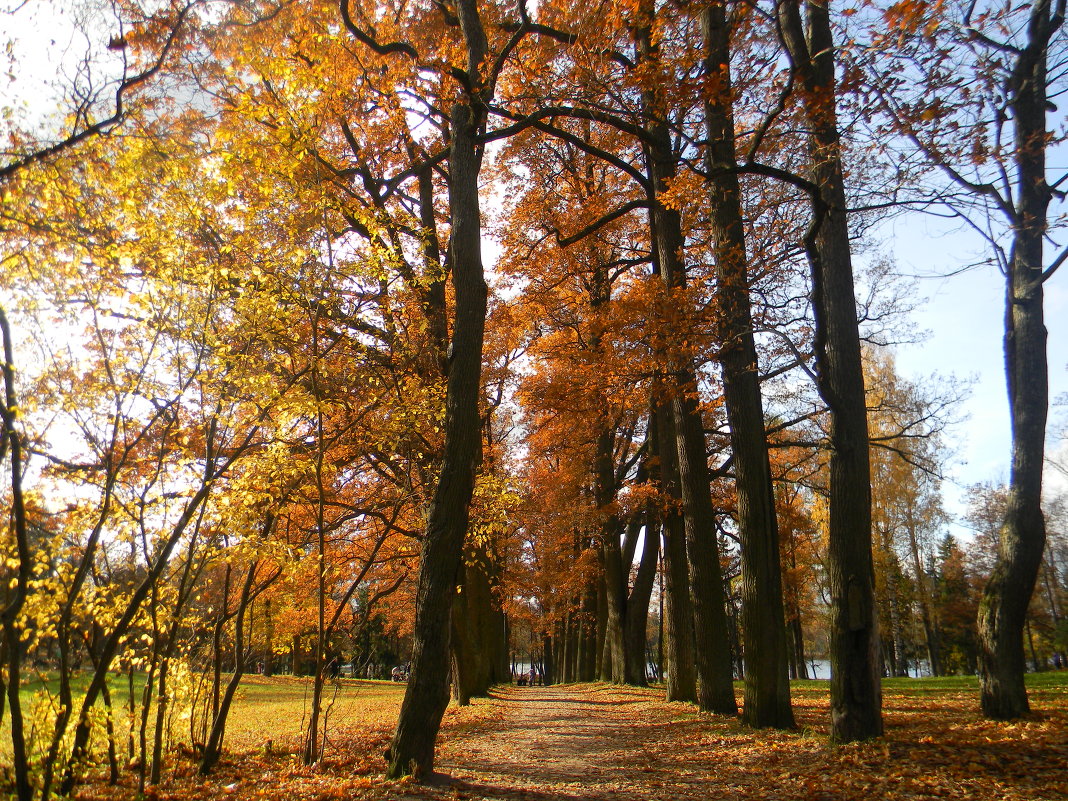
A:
(270, 406)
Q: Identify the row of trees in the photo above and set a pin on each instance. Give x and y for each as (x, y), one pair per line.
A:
(264, 361)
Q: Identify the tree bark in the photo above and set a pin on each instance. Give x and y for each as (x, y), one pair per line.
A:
(427, 693)
(549, 675)
(856, 694)
(638, 606)
(680, 680)
(767, 683)
(1003, 607)
(595, 625)
(477, 629)
(715, 688)
(615, 573)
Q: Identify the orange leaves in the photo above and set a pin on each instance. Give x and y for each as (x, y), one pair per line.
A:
(913, 16)
(684, 192)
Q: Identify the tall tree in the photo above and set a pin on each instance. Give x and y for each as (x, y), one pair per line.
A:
(976, 113)
(1003, 608)
(767, 686)
(856, 695)
(715, 690)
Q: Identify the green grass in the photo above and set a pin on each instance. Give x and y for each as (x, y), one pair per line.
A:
(118, 685)
(265, 710)
(1036, 682)
(1056, 680)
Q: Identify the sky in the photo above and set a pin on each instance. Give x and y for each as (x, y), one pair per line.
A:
(963, 319)
(958, 328)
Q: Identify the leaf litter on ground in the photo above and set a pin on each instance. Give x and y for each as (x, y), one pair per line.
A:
(599, 742)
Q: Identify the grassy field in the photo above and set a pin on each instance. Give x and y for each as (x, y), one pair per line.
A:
(267, 714)
(276, 709)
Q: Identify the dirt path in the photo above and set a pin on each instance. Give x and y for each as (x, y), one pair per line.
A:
(562, 743)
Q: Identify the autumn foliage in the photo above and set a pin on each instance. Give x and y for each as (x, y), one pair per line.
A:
(473, 341)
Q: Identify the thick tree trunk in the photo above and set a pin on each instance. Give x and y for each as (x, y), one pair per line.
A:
(715, 690)
(856, 694)
(1003, 608)
(681, 675)
(477, 629)
(427, 692)
(767, 684)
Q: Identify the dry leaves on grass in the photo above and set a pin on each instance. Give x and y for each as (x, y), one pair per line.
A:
(596, 742)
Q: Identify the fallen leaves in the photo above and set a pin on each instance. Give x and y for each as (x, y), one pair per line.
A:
(597, 742)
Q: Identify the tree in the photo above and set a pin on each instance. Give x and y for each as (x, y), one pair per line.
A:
(767, 688)
(956, 600)
(412, 749)
(976, 113)
(87, 118)
(856, 698)
(906, 420)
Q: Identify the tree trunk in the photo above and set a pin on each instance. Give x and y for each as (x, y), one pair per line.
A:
(1003, 608)
(923, 586)
(15, 596)
(477, 629)
(799, 646)
(268, 648)
(159, 733)
(856, 694)
(110, 646)
(564, 649)
(213, 747)
(638, 606)
(900, 662)
(549, 674)
(595, 626)
(767, 683)
(715, 689)
(681, 676)
(615, 573)
(427, 692)
(21, 762)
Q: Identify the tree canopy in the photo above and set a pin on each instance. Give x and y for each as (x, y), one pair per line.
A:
(476, 340)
